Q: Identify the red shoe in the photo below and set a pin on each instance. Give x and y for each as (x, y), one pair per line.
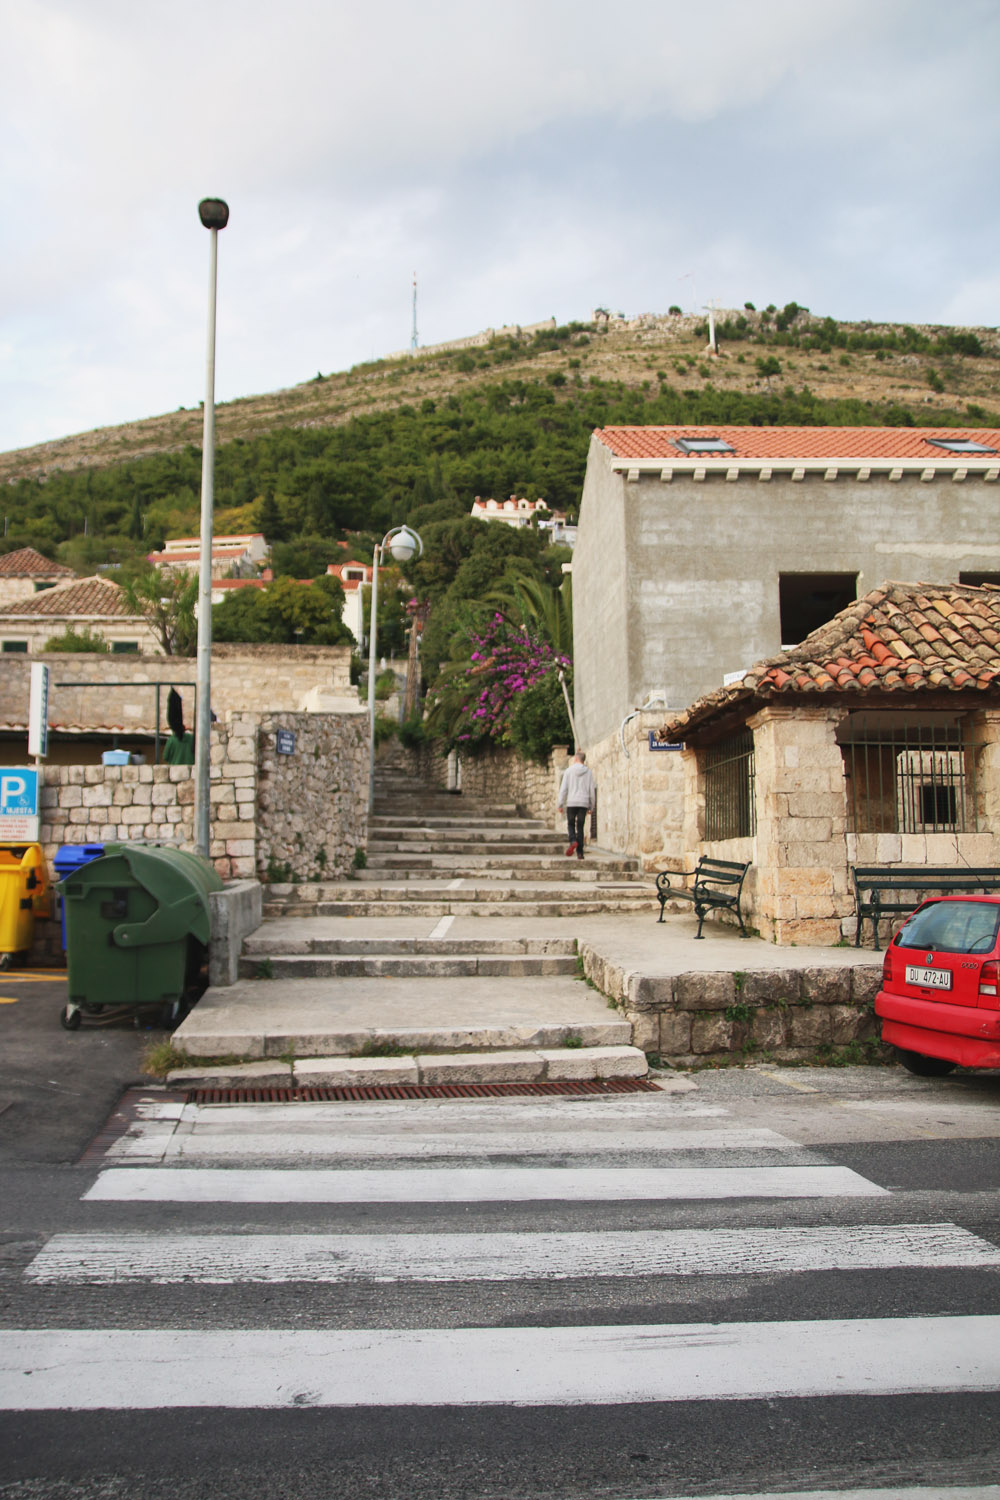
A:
(571, 850)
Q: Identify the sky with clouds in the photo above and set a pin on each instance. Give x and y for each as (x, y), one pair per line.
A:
(536, 158)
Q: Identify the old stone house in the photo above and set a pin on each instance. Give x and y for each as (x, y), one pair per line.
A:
(26, 572)
(96, 605)
(876, 741)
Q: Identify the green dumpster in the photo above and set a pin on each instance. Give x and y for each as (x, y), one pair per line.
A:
(137, 930)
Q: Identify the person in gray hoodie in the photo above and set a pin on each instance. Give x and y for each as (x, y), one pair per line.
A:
(577, 793)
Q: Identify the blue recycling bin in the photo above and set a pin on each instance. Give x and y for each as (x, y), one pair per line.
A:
(69, 858)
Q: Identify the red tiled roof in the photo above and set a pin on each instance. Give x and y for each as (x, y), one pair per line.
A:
(86, 596)
(27, 563)
(799, 442)
(902, 638)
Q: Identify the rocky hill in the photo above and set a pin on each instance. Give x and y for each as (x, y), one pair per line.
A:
(927, 372)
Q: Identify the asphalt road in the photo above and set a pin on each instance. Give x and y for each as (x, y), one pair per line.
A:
(229, 1233)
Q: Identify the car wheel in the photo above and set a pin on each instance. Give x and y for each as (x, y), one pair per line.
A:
(923, 1066)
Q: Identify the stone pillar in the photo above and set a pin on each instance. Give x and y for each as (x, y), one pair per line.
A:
(802, 882)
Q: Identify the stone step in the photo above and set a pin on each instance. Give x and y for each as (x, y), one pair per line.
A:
(401, 966)
(263, 941)
(422, 841)
(525, 1065)
(525, 867)
(572, 887)
(428, 823)
(583, 904)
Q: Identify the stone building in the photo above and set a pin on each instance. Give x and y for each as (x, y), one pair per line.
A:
(96, 605)
(876, 741)
(26, 572)
(703, 549)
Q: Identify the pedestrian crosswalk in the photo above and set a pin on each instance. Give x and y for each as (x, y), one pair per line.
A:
(414, 1197)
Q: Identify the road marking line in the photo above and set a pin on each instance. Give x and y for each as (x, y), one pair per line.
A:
(8, 1000)
(475, 1185)
(442, 927)
(86, 1370)
(217, 1139)
(221, 1259)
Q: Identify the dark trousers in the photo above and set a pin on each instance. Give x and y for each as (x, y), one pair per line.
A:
(576, 818)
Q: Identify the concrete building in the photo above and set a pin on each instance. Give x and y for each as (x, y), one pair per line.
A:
(704, 549)
(239, 556)
(513, 512)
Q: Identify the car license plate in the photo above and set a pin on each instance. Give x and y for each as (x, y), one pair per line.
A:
(932, 979)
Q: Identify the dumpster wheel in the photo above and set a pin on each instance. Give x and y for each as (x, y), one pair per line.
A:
(70, 1018)
(6, 959)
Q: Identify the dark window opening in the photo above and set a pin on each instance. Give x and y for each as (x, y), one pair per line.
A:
(809, 600)
(703, 445)
(729, 788)
(910, 775)
(18, 646)
(124, 648)
(976, 580)
(938, 804)
(41, 587)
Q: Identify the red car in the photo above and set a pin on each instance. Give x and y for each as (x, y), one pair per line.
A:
(940, 995)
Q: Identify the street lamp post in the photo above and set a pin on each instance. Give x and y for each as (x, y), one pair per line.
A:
(405, 546)
(214, 214)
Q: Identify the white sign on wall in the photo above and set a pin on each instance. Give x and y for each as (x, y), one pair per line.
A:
(38, 710)
(19, 818)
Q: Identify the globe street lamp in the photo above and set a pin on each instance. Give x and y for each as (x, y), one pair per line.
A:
(405, 546)
(214, 214)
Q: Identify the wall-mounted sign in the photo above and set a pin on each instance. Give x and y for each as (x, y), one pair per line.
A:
(655, 744)
(284, 741)
(19, 805)
(38, 710)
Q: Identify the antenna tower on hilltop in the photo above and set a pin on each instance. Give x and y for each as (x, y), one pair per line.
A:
(413, 335)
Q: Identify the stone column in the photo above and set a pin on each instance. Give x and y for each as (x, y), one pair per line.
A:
(802, 883)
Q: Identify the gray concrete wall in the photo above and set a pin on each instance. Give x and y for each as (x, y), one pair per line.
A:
(676, 583)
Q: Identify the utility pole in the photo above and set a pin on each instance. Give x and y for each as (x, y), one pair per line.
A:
(413, 335)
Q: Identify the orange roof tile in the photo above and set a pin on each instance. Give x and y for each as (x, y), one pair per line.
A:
(799, 442)
(862, 651)
(27, 563)
(84, 596)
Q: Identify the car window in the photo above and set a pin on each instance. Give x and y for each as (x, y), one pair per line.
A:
(952, 927)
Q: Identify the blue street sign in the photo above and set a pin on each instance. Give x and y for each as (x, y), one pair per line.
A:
(18, 804)
(285, 741)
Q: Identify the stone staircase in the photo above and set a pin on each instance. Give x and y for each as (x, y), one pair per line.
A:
(461, 858)
(372, 1005)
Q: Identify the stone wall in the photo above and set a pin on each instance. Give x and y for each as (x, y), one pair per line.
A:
(711, 1018)
(244, 678)
(640, 794)
(306, 811)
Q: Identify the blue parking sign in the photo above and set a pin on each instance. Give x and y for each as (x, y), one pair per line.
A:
(18, 804)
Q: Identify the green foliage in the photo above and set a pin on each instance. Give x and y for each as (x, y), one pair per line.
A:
(540, 720)
(305, 557)
(166, 601)
(385, 686)
(284, 612)
(412, 733)
(77, 640)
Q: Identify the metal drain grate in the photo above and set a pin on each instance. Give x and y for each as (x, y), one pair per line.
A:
(337, 1093)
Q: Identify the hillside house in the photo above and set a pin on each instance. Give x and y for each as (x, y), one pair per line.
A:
(26, 572)
(513, 512)
(876, 741)
(355, 577)
(703, 549)
(96, 605)
(239, 556)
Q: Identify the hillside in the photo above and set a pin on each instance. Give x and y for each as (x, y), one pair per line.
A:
(917, 374)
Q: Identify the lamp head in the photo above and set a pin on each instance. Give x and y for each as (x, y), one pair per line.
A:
(405, 545)
(213, 213)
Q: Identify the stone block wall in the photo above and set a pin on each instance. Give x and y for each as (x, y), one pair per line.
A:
(640, 794)
(787, 1015)
(495, 775)
(306, 811)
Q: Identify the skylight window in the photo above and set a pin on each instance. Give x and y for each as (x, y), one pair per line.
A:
(703, 445)
(959, 445)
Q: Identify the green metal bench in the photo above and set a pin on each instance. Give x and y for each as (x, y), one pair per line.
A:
(718, 884)
(891, 890)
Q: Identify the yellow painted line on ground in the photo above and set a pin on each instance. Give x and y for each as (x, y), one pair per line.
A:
(13, 978)
(792, 1083)
(8, 999)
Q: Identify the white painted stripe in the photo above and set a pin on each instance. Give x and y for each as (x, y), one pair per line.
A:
(217, 1259)
(87, 1370)
(475, 1185)
(455, 885)
(220, 1138)
(641, 1111)
(442, 927)
(907, 1492)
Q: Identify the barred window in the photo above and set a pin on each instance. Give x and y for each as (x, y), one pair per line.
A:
(910, 775)
(729, 788)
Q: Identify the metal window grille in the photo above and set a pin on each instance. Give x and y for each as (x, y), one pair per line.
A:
(729, 788)
(914, 778)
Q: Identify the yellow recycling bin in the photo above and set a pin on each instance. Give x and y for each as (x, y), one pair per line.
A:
(25, 894)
